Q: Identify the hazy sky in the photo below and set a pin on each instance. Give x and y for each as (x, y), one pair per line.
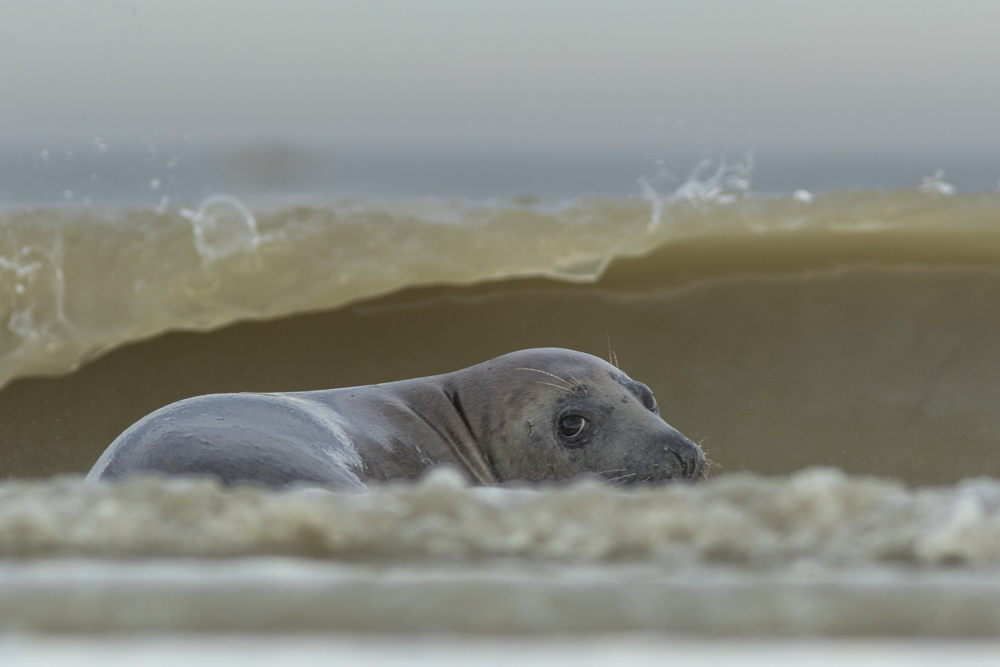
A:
(512, 73)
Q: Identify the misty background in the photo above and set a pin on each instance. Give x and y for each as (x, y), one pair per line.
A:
(133, 102)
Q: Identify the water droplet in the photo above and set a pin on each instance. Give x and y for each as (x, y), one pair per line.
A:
(222, 226)
(936, 185)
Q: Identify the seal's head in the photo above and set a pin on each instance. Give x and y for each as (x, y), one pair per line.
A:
(551, 414)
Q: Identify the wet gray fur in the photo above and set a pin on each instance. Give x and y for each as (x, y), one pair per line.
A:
(505, 419)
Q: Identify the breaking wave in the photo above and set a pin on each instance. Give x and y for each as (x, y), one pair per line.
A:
(819, 515)
(77, 282)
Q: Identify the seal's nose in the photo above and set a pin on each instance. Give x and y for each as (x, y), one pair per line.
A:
(690, 458)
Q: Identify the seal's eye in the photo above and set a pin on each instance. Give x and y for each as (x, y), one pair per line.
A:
(646, 396)
(571, 426)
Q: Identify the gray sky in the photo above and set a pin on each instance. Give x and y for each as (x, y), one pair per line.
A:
(537, 73)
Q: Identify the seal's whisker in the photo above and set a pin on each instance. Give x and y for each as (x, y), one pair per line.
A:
(569, 386)
(554, 385)
(625, 476)
(612, 358)
(578, 383)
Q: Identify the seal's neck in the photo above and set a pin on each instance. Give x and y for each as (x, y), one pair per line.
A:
(468, 449)
(438, 422)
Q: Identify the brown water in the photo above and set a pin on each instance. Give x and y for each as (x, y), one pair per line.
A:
(855, 331)
(871, 349)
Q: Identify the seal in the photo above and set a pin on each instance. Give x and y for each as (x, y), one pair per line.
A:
(534, 415)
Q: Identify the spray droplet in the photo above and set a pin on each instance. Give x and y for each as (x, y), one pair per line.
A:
(222, 226)
(936, 185)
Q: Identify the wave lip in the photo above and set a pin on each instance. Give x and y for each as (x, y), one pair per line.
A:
(74, 283)
(77, 282)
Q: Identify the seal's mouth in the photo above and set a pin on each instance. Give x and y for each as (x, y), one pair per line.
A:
(691, 466)
(680, 460)
(668, 456)
(679, 471)
(684, 459)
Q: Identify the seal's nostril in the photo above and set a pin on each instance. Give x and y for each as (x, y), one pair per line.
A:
(688, 456)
